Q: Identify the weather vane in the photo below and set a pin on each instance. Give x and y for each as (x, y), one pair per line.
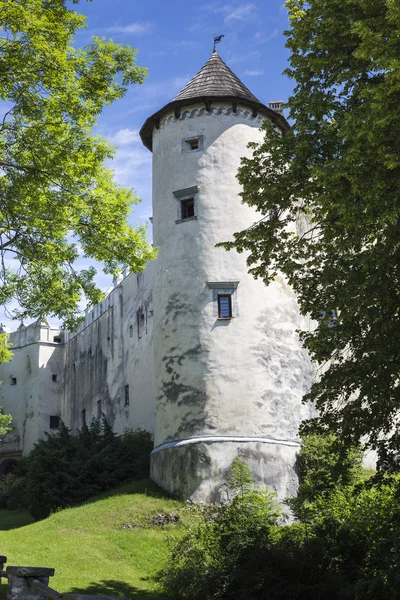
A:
(217, 39)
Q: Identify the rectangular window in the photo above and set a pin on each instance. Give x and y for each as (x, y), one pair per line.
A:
(54, 377)
(141, 322)
(13, 381)
(84, 417)
(99, 411)
(126, 403)
(54, 422)
(224, 306)
(57, 339)
(187, 208)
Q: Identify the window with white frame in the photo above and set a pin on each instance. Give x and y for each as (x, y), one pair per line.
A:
(224, 299)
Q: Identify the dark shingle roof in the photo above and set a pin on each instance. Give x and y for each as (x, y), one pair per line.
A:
(214, 82)
(216, 79)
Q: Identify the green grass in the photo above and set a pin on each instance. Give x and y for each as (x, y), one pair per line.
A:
(107, 546)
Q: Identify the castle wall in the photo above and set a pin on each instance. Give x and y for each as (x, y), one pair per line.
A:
(109, 366)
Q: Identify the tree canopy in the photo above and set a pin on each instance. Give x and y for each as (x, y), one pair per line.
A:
(57, 199)
(336, 174)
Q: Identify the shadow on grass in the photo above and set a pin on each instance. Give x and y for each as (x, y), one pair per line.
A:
(12, 519)
(111, 587)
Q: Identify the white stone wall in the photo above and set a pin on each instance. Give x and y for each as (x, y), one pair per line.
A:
(107, 355)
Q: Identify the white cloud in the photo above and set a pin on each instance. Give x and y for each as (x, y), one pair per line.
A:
(233, 13)
(262, 38)
(131, 28)
(254, 73)
(125, 136)
(241, 13)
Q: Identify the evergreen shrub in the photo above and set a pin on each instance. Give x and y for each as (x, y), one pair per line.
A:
(65, 469)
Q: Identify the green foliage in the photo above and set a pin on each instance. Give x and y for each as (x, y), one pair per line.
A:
(324, 466)
(240, 479)
(64, 469)
(335, 174)
(56, 194)
(12, 489)
(345, 546)
(202, 563)
(5, 356)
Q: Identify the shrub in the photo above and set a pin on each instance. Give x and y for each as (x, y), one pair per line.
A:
(346, 545)
(11, 492)
(202, 563)
(65, 469)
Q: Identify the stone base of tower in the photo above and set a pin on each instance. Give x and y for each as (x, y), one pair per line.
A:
(197, 469)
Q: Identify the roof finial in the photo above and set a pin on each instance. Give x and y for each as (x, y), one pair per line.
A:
(217, 40)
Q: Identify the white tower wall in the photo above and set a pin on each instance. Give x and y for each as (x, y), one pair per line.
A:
(224, 387)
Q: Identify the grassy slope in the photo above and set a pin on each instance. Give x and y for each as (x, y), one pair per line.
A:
(89, 547)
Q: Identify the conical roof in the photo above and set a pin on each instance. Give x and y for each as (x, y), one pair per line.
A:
(215, 81)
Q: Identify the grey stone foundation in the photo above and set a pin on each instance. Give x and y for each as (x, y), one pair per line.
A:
(197, 469)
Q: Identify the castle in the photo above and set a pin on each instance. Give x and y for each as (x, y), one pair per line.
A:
(193, 349)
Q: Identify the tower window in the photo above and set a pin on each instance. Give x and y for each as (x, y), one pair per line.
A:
(13, 381)
(54, 377)
(57, 339)
(193, 143)
(224, 306)
(126, 402)
(54, 422)
(99, 411)
(187, 201)
(187, 208)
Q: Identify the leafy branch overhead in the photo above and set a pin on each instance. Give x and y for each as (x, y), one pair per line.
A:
(56, 196)
(329, 201)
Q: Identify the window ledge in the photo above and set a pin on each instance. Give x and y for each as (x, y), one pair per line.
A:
(188, 219)
(225, 318)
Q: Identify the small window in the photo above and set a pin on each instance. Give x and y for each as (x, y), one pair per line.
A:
(99, 409)
(54, 377)
(57, 339)
(141, 322)
(224, 306)
(187, 208)
(84, 417)
(130, 330)
(54, 422)
(13, 381)
(126, 403)
(193, 143)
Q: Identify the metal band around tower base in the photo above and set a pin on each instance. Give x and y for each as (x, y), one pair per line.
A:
(226, 438)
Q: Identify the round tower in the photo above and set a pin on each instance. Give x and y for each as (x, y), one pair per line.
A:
(230, 369)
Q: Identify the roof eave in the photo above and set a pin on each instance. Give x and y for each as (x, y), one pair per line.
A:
(146, 132)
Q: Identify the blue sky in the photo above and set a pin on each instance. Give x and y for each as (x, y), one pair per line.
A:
(175, 39)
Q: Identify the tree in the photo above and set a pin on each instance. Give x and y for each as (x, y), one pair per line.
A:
(57, 198)
(335, 174)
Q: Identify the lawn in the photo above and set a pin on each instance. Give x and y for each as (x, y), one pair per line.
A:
(108, 546)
